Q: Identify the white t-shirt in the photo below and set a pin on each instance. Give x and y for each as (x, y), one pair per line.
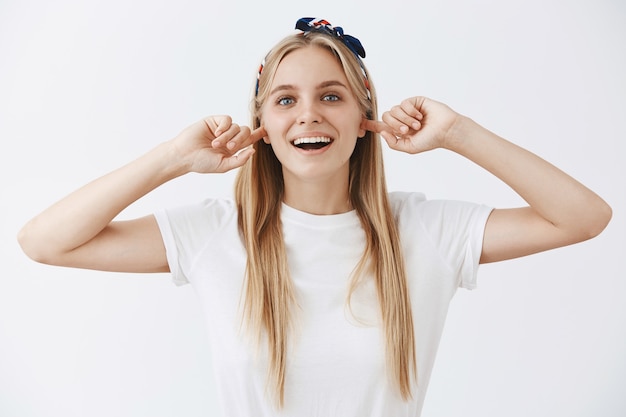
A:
(336, 360)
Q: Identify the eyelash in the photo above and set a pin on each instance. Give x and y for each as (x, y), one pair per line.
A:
(280, 100)
(335, 97)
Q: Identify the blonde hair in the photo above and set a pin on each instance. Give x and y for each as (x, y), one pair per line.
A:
(269, 298)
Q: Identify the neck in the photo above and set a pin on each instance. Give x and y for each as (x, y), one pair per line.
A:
(318, 197)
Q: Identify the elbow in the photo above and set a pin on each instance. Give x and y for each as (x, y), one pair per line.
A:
(32, 246)
(604, 217)
(598, 219)
(24, 240)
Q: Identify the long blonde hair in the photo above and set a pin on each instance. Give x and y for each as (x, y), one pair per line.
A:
(269, 297)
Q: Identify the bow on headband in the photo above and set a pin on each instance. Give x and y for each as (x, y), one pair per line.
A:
(307, 24)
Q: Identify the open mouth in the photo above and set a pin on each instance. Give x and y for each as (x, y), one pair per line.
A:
(312, 143)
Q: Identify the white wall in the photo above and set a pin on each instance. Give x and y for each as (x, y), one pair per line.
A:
(86, 86)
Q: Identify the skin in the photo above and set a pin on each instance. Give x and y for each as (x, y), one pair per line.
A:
(80, 231)
(310, 96)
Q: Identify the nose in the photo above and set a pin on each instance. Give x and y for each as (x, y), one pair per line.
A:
(309, 112)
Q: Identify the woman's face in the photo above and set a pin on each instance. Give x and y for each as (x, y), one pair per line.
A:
(311, 116)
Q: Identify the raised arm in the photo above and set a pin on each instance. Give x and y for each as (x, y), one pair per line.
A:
(561, 211)
(79, 231)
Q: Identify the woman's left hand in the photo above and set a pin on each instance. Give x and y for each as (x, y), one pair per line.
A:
(553, 219)
(417, 124)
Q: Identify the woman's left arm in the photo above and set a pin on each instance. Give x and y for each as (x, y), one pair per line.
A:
(561, 210)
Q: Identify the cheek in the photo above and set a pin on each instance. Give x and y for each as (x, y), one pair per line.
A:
(356, 125)
(270, 131)
(274, 125)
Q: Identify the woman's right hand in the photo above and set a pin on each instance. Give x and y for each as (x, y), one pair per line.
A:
(79, 230)
(215, 144)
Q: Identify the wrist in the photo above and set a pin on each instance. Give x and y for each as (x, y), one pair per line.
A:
(460, 135)
(169, 163)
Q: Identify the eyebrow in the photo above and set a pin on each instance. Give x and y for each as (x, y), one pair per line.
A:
(325, 84)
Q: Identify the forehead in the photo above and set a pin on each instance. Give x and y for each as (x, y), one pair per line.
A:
(311, 64)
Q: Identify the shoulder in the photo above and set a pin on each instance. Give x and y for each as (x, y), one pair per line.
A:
(198, 219)
(407, 206)
(401, 200)
(210, 208)
(413, 209)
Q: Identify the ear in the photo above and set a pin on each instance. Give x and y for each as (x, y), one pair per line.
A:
(265, 138)
(362, 129)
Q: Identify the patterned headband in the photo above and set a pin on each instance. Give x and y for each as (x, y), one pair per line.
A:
(310, 24)
(307, 24)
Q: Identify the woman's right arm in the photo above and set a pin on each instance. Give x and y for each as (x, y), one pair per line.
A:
(79, 231)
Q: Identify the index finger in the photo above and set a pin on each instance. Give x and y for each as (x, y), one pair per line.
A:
(257, 134)
(247, 138)
(375, 126)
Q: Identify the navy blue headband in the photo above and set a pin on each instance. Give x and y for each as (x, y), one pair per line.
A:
(307, 24)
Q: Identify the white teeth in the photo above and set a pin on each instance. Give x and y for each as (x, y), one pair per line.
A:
(316, 139)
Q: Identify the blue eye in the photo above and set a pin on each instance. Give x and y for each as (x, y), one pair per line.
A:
(284, 101)
(331, 97)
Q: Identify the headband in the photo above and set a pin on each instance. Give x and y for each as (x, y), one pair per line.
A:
(307, 24)
(312, 24)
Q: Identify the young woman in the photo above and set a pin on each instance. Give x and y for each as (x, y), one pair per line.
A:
(323, 293)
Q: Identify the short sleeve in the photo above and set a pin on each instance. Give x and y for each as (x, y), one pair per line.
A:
(189, 230)
(453, 230)
(171, 248)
